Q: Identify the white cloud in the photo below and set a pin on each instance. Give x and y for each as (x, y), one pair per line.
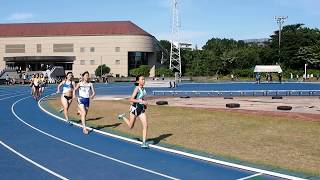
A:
(19, 16)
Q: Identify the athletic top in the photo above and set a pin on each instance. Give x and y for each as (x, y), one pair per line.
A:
(36, 82)
(84, 90)
(66, 87)
(140, 94)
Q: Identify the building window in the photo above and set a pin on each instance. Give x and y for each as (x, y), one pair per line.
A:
(38, 48)
(82, 62)
(117, 75)
(62, 47)
(117, 62)
(15, 48)
(82, 49)
(92, 49)
(136, 59)
(117, 49)
(92, 62)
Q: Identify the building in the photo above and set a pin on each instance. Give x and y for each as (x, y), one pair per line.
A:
(259, 42)
(77, 46)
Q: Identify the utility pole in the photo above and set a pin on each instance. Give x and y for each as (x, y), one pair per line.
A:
(175, 58)
(280, 20)
(101, 67)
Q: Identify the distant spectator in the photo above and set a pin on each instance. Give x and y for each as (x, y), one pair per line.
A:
(232, 77)
(24, 77)
(258, 77)
(280, 77)
(12, 81)
(318, 77)
(7, 80)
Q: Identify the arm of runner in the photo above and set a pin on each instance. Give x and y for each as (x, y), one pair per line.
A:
(58, 88)
(132, 98)
(31, 81)
(73, 85)
(74, 90)
(93, 92)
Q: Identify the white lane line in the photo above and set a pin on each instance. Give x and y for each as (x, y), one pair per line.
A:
(271, 173)
(85, 149)
(33, 162)
(13, 96)
(6, 94)
(248, 177)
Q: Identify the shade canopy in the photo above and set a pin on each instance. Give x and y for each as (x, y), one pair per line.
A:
(267, 68)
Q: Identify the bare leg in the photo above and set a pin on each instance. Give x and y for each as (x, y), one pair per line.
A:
(144, 122)
(83, 114)
(33, 91)
(65, 105)
(130, 122)
(36, 93)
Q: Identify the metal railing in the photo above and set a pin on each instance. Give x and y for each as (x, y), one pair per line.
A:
(238, 93)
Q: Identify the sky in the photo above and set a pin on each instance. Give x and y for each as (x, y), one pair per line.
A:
(201, 20)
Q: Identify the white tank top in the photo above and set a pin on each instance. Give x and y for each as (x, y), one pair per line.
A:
(36, 82)
(84, 90)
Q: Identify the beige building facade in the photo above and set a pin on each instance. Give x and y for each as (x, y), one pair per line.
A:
(116, 46)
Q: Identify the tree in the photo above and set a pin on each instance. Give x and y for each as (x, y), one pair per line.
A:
(219, 46)
(142, 70)
(167, 46)
(309, 55)
(164, 72)
(102, 70)
(295, 41)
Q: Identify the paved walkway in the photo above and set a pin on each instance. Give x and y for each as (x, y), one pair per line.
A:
(307, 104)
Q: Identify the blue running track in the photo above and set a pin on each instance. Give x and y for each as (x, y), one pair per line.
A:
(35, 145)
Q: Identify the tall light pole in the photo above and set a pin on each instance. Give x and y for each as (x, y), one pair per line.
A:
(175, 57)
(280, 20)
(101, 67)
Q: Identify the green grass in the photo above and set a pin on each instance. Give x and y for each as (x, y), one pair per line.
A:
(264, 140)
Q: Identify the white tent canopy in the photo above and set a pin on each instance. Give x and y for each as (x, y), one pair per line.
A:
(267, 68)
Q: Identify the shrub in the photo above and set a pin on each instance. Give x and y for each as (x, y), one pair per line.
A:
(243, 72)
(142, 70)
(164, 71)
(105, 70)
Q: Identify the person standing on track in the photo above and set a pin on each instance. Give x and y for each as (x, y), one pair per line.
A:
(36, 86)
(42, 84)
(137, 109)
(67, 93)
(31, 84)
(86, 92)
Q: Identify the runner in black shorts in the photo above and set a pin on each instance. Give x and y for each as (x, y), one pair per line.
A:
(137, 109)
(67, 93)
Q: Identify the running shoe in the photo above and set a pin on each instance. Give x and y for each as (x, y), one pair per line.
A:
(144, 145)
(120, 116)
(61, 110)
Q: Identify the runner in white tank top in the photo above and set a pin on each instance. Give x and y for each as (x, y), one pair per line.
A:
(86, 91)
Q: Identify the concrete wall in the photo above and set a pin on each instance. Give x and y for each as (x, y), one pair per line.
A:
(105, 50)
